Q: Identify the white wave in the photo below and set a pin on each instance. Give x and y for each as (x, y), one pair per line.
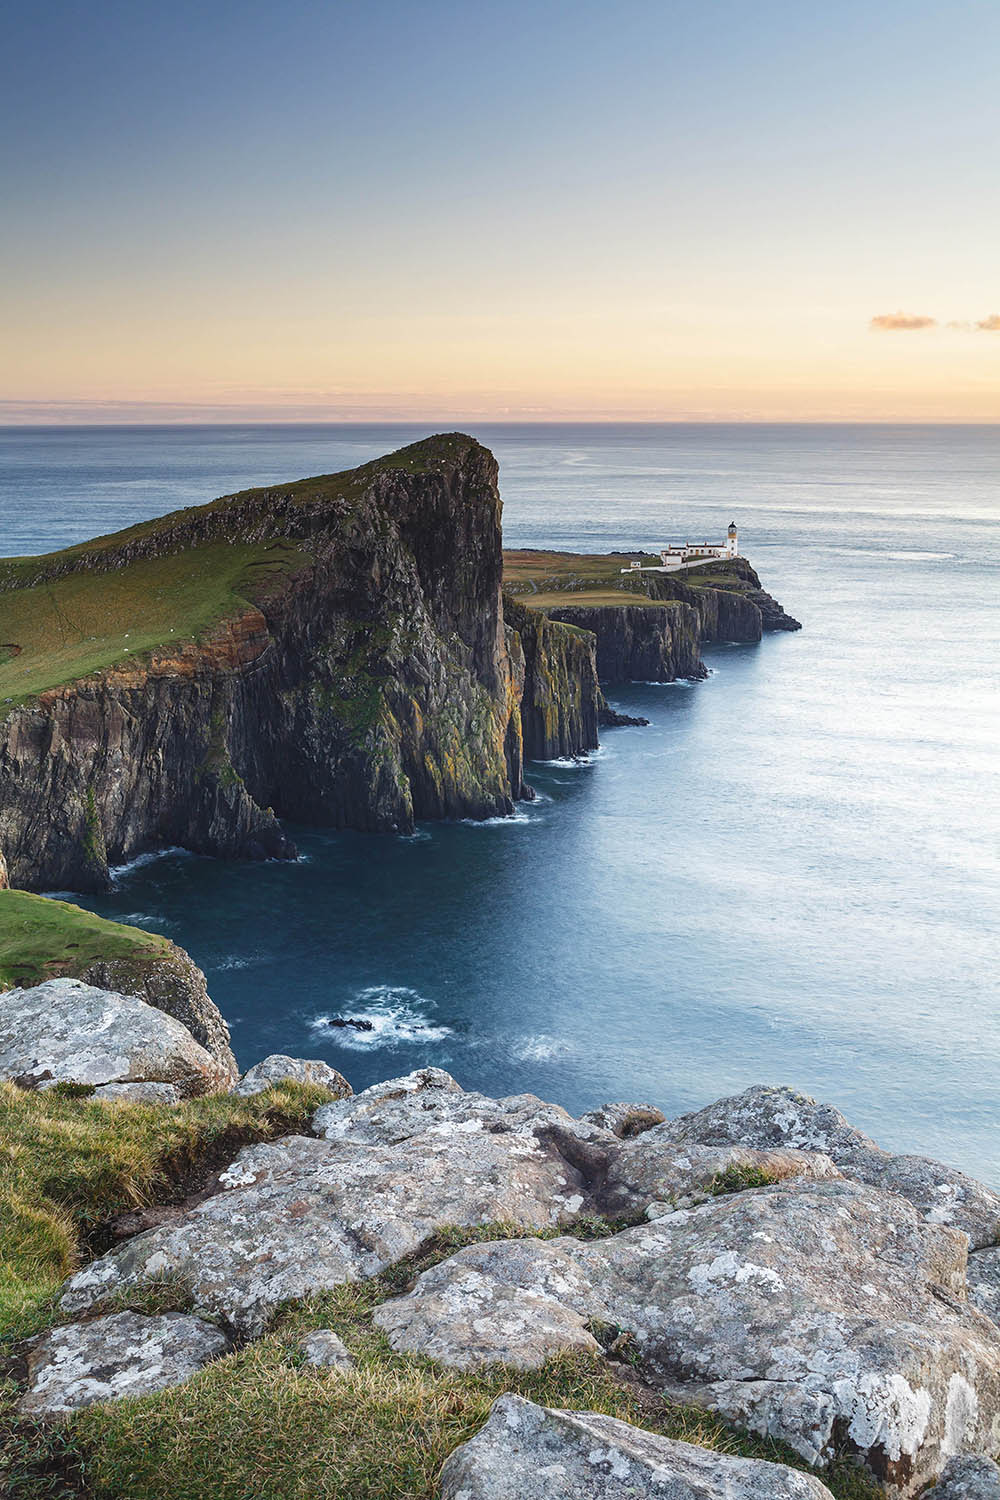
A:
(678, 682)
(510, 820)
(144, 919)
(418, 836)
(117, 872)
(398, 1016)
(238, 961)
(920, 556)
(541, 1048)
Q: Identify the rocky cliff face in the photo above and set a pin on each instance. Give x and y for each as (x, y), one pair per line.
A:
(561, 697)
(373, 684)
(641, 643)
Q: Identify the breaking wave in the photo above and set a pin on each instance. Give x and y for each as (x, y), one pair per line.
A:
(398, 1016)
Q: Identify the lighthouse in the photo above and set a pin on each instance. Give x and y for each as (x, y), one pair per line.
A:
(732, 541)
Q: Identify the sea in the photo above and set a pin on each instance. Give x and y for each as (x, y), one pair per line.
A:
(792, 876)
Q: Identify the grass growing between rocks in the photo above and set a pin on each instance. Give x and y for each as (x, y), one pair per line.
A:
(67, 1165)
(263, 1423)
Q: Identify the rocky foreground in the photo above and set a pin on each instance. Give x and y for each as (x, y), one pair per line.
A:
(761, 1259)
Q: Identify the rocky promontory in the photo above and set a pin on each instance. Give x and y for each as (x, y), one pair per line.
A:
(335, 651)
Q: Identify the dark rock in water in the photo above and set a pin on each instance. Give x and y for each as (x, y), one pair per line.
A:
(610, 718)
(359, 1025)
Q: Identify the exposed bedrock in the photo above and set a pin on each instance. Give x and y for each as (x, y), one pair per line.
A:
(372, 684)
(791, 1295)
(640, 643)
(561, 698)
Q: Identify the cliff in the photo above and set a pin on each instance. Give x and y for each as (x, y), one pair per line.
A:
(332, 651)
(42, 940)
(649, 626)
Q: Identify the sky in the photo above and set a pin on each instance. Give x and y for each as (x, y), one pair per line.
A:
(644, 210)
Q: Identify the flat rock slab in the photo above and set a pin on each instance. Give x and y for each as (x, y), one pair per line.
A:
(528, 1452)
(811, 1311)
(967, 1479)
(66, 1031)
(139, 1093)
(281, 1069)
(767, 1118)
(125, 1354)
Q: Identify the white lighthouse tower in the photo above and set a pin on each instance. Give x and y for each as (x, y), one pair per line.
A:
(732, 541)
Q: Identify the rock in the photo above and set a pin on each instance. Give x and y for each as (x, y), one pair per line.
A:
(528, 1452)
(169, 979)
(322, 1347)
(142, 1093)
(983, 1277)
(610, 718)
(277, 1068)
(398, 1163)
(624, 1119)
(125, 1354)
(816, 1312)
(639, 641)
(66, 1031)
(967, 1479)
(764, 1117)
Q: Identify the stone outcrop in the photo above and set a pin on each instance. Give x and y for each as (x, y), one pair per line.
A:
(761, 1274)
(168, 979)
(67, 1031)
(324, 1349)
(278, 1069)
(529, 1452)
(968, 1478)
(764, 1118)
(124, 1354)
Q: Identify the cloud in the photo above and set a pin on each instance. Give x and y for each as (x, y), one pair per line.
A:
(900, 322)
(990, 324)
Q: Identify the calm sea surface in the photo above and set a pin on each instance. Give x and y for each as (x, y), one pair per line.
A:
(792, 876)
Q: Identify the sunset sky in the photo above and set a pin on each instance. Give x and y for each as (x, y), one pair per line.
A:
(649, 210)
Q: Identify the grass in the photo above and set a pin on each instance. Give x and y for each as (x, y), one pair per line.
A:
(263, 1422)
(67, 1165)
(41, 939)
(546, 580)
(590, 599)
(87, 621)
(260, 1422)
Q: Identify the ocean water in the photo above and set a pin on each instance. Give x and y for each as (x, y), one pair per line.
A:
(791, 876)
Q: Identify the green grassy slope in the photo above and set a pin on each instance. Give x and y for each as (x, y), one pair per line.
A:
(60, 630)
(41, 939)
(544, 580)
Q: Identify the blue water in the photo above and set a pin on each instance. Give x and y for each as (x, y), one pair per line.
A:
(792, 875)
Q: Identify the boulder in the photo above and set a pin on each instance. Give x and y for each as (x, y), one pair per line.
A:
(528, 1452)
(967, 1478)
(140, 1093)
(125, 1354)
(66, 1031)
(280, 1069)
(815, 1311)
(324, 1349)
(983, 1277)
(765, 1117)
